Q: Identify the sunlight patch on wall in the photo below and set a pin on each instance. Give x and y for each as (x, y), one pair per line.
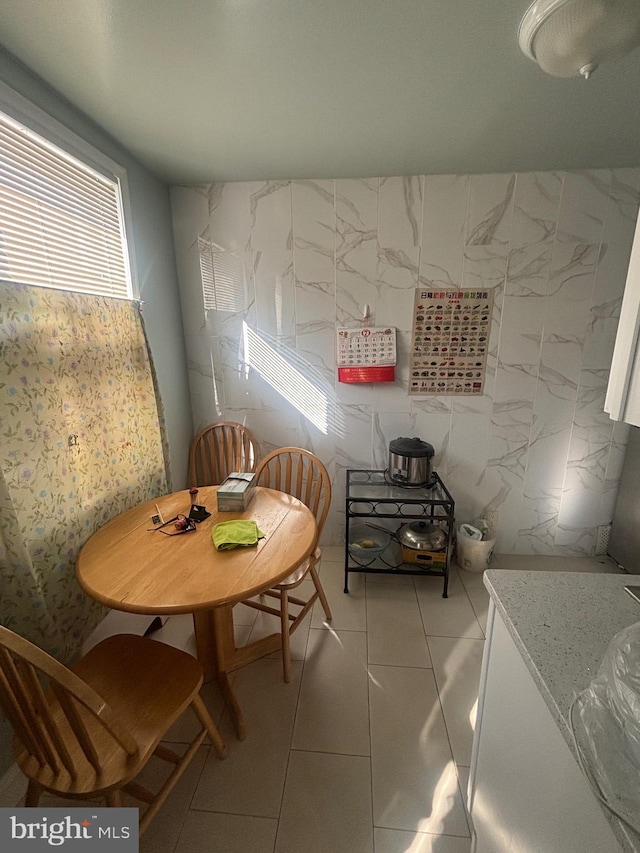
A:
(224, 285)
(287, 379)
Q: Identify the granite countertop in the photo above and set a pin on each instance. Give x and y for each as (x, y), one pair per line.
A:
(562, 623)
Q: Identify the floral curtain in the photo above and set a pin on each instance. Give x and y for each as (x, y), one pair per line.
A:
(80, 442)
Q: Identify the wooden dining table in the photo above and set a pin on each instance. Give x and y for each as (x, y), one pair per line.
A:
(131, 565)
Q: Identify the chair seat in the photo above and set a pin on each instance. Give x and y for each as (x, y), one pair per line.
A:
(300, 572)
(136, 686)
(89, 731)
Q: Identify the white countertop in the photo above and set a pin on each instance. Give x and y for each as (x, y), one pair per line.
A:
(562, 623)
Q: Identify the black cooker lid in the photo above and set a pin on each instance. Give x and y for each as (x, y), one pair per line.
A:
(412, 447)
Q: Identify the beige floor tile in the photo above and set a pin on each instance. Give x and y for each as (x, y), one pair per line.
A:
(244, 616)
(395, 634)
(456, 665)
(479, 598)
(267, 624)
(471, 579)
(400, 841)
(332, 553)
(415, 785)
(251, 779)
(186, 727)
(333, 711)
(226, 833)
(164, 830)
(447, 617)
(348, 609)
(393, 578)
(463, 780)
(327, 805)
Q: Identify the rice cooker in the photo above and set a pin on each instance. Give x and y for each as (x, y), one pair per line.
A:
(410, 462)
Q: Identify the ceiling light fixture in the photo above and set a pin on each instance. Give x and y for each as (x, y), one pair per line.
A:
(571, 37)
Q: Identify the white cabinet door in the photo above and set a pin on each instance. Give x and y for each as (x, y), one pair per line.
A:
(623, 394)
(526, 791)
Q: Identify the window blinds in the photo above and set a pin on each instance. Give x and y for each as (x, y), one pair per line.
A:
(60, 220)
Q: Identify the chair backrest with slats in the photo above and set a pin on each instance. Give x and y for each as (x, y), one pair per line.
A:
(301, 474)
(219, 449)
(55, 725)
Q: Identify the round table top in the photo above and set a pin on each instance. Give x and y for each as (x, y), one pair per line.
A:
(127, 565)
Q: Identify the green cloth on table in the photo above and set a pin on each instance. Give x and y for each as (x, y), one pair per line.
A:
(230, 534)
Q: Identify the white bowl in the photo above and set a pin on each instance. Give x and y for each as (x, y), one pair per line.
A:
(365, 542)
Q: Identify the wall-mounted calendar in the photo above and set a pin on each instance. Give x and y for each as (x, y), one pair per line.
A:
(450, 341)
(367, 354)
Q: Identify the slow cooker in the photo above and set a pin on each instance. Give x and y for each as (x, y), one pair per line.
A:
(410, 462)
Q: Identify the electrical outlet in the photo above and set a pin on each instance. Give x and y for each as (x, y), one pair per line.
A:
(491, 517)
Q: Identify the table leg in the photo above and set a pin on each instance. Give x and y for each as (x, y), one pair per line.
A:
(215, 645)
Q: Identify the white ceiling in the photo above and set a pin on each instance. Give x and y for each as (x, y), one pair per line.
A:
(203, 90)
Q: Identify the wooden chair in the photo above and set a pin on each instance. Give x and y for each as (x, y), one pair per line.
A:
(301, 474)
(88, 731)
(219, 449)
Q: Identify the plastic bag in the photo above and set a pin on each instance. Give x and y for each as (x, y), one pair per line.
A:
(474, 546)
(605, 719)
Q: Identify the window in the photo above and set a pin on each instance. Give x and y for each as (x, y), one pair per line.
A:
(61, 220)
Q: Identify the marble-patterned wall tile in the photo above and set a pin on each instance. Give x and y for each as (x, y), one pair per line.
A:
(357, 285)
(274, 424)
(604, 313)
(571, 280)
(400, 213)
(490, 210)
(622, 210)
(521, 329)
(354, 448)
(397, 280)
(615, 465)
(548, 454)
(385, 427)
(316, 346)
(468, 458)
(514, 396)
(535, 208)
(314, 217)
(575, 541)
(435, 428)
(234, 293)
(524, 304)
(585, 198)
(356, 215)
(205, 380)
(558, 377)
(270, 216)
(230, 216)
(446, 203)
(539, 521)
(302, 257)
(275, 293)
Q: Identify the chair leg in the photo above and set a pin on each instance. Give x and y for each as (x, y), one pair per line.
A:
(211, 728)
(321, 595)
(114, 798)
(32, 797)
(286, 636)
